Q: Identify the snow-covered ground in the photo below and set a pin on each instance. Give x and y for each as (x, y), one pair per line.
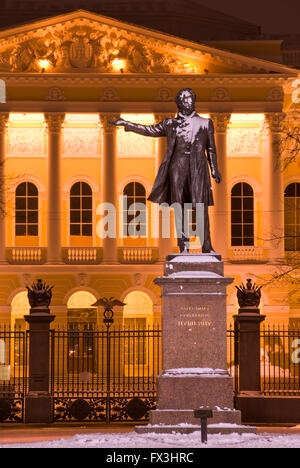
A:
(171, 441)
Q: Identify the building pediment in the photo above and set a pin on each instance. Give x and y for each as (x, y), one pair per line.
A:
(85, 42)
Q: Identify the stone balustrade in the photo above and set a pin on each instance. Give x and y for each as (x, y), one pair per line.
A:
(133, 255)
(82, 255)
(26, 255)
(248, 254)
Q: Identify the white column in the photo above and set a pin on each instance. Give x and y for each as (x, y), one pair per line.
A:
(275, 194)
(54, 123)
(220, 213)
(165, 245)
(4, 117)
(109, 180)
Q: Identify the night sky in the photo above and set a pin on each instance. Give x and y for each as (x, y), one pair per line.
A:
(275, 16)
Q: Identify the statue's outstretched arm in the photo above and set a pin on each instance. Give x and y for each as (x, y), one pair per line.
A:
(156, 130)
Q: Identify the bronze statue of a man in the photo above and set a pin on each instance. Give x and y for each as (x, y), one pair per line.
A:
(183, 176)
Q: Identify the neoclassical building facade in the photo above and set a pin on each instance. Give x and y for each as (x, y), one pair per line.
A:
(66, 78)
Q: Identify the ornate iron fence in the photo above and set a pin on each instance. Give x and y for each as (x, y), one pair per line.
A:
(110, 375)
(279, 360)
(13, 373)
(104, 375)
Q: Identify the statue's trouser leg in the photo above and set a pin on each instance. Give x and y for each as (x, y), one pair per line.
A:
(207, 247)
(179, 185)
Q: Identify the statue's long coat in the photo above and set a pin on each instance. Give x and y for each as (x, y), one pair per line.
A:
(203, 154)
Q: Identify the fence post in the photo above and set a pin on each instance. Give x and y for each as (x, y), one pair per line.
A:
(38, 401)
(247, 325)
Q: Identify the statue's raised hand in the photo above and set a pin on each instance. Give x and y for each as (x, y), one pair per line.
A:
(117, 122)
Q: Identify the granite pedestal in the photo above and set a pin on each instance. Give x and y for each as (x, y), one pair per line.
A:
(194, 347)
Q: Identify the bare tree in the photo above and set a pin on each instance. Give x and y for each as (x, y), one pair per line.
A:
(290, 141)
(288, 269)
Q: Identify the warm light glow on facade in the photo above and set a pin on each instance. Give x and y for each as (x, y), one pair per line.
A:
(247, 118)
(26, 118)
(82, 118)
(44, 64)
(119, 65)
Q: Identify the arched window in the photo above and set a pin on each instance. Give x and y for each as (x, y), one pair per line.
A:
(82, 319)
(135, 217)
(292, 217)
(242, 215)
(81, 210)
(140, 349)
(19, 307)
(138, 311)
(27, 210)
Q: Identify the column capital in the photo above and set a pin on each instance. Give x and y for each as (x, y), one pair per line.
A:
(4, 118)
(274, 121)
(221, 121)
(160, 116)
(54, 121)
(105, 118)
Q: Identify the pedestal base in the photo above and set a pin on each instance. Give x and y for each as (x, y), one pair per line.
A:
(180, 393)
(194, 348)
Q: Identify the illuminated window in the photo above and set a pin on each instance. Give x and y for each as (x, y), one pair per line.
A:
(242, 215)
(82, 318)
(135, 217)
(81, 210)
(138, 315)
(292, 217)
(27, 205)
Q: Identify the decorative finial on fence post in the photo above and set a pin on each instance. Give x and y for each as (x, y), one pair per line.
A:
(249, 295)
(39, 296)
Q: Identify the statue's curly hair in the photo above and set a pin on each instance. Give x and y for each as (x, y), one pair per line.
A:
(178, 95)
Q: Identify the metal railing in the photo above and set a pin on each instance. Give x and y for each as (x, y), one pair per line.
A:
(280, 361)
(110, 374)
(13, 374)
(13, 362)
(88, 362)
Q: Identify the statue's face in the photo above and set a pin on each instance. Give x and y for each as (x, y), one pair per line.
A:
(186, 103)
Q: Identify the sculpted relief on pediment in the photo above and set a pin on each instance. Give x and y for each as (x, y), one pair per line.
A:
(101, 49)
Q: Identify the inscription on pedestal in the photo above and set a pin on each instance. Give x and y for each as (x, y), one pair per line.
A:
(194, 316)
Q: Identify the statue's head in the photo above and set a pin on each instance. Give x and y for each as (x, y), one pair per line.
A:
(185, 100)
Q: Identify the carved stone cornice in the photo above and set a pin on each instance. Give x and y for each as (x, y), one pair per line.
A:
(105, 119)
(140, 80)
(54, 121)
(221, 121)
(4, 118)
(55, 94)
(164, 95)
(274, 121)
(220, 95)
(110, 94)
